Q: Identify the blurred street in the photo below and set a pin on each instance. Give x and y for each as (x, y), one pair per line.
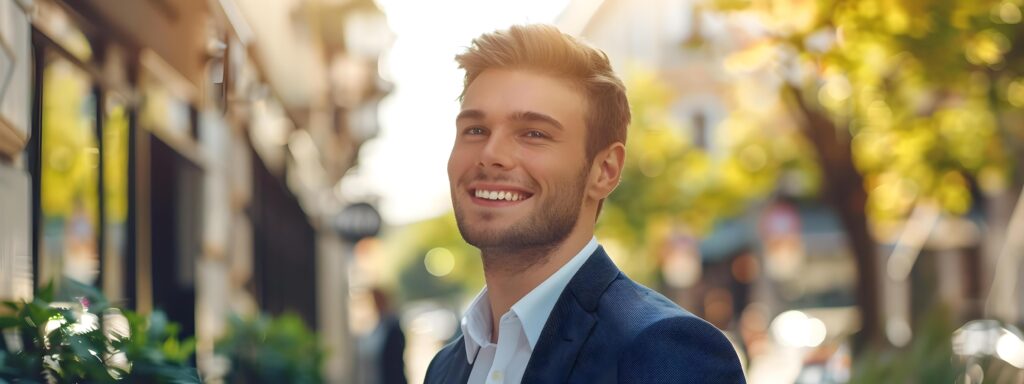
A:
(260, 186)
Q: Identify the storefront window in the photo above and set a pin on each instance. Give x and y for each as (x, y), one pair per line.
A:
(69, 172)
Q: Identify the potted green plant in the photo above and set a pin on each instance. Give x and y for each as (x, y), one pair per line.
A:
(87, 341)
(272, 350)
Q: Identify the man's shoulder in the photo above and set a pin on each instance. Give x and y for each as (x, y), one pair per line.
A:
(626, 309)
(654, 335)
(444, 358)
(633, 307)
(454, 349)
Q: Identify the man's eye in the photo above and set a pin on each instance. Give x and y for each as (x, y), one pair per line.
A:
(536, 134)
(474, 131)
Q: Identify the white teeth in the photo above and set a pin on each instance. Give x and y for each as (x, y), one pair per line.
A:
(498, 195)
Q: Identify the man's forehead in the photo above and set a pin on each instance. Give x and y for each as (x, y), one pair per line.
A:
(521, 95)
(523, 81)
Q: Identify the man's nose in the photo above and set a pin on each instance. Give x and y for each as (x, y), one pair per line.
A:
(498, 152)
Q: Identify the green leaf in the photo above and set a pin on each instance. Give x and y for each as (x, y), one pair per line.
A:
(9, 322)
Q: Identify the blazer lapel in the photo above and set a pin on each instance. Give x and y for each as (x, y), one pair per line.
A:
(459, 368)
(570, 322)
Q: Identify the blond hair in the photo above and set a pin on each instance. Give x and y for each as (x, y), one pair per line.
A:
(545, 49)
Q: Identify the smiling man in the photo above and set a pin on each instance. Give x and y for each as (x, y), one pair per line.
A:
(539, 146)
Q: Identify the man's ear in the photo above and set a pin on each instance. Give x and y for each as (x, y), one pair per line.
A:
(606, 171)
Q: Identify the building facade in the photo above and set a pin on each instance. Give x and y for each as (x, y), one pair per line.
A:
(170, 154)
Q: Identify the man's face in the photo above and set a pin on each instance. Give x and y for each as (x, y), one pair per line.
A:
(518, 169)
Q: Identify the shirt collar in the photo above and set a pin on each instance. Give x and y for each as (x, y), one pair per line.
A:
(476, 325)
(533, 309)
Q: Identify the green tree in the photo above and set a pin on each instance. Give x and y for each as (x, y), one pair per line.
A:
(672, 185)
(408, 250)
(904, 101)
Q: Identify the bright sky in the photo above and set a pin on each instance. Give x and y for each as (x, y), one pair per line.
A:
(406, 164)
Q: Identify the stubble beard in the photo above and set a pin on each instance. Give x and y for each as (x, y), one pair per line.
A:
(530, 241)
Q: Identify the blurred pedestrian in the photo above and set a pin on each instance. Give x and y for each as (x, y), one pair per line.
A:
(382, 351)
(540, 143)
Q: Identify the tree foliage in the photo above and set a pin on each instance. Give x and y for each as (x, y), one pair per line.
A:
(905, 101)
(672, 185)
(929, 90)
(404, 257)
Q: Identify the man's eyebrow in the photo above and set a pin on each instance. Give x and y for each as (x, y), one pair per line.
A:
(535, 117)
(470, 114)
(528, 116)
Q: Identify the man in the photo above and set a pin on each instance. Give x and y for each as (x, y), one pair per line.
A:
(539, 145)
(382, 351)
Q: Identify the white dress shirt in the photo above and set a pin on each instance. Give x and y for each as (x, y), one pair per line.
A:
(519, 328)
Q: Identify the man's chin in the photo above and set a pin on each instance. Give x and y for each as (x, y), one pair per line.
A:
(492, 235)
(484, 238)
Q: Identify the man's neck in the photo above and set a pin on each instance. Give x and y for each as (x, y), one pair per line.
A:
(506, 286)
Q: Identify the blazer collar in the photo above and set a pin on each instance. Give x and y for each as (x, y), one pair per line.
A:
(592, 280)
(458, 368)
(571, 321)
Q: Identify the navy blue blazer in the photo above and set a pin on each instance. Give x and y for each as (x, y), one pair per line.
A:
(606, 328)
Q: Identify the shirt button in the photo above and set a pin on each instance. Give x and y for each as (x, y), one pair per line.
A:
(496, 376)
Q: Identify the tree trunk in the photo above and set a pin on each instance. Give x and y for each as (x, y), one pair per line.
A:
(844, 191)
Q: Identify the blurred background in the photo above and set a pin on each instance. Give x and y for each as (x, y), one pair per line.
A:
(836, 185)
